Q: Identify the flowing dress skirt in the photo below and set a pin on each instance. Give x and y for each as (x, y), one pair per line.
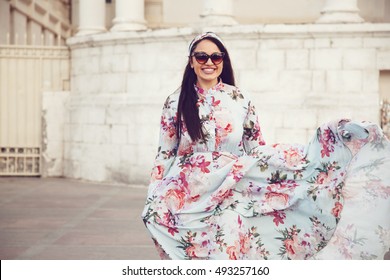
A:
(329, 199)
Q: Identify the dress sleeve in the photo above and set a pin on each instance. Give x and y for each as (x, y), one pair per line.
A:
(168, 142)
(252, 137)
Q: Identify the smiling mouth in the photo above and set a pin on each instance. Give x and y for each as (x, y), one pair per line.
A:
(208, 70)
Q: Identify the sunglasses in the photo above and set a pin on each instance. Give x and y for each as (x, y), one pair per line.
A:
(202, 57)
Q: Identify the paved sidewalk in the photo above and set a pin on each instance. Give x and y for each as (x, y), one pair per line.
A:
(64, 219)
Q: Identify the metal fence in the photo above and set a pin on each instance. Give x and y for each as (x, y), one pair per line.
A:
(26, 72)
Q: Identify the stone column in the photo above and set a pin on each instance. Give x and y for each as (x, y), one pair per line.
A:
(91, 17)
(129, 15)
(340, 11)
(5, 22)
(218, 12)
(19, 25)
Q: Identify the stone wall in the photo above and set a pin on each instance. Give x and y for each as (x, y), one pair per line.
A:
(299, 76)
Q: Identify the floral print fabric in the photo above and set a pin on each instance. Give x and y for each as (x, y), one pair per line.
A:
(364, 229)
(233, 197)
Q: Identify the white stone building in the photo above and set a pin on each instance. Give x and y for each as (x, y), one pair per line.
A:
(98, 103)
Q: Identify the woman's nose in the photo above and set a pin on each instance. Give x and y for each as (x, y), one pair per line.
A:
(209, 61)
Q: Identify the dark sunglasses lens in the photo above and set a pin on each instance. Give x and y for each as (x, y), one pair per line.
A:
(216, 58)
(201, 58)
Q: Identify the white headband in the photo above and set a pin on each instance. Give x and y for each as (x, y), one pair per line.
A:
(203, 36)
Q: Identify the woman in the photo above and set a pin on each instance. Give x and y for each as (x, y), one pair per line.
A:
(218, 192)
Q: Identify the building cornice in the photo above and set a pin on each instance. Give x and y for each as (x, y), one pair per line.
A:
(262, 31)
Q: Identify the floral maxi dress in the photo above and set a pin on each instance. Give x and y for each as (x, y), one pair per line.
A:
(230, 196)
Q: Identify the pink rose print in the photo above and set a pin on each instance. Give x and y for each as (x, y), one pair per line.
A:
(232, 252)
(196, 251)
(292, 157)
(245, 243)
(237, 175)
(158, 172)
(175, 199)
(336, 211)
(324, 177)
(294, 249)
(221, 196)
(277, 200)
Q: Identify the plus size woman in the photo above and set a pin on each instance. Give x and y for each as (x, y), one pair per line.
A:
(218, 192)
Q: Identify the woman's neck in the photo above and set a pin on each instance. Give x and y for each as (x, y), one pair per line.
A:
(207, 85)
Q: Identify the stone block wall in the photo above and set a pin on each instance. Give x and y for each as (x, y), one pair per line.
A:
(299, 77)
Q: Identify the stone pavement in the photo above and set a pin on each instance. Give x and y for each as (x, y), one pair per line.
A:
(61, 219)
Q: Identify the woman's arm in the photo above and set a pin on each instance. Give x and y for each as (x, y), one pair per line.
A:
(252, 136)
(168, 142)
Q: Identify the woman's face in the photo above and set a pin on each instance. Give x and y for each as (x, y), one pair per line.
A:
(208, 73)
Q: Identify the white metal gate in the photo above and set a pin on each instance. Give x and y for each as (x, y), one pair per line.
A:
(25, 72)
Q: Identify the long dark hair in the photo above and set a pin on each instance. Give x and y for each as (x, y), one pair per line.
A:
(188, 97)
